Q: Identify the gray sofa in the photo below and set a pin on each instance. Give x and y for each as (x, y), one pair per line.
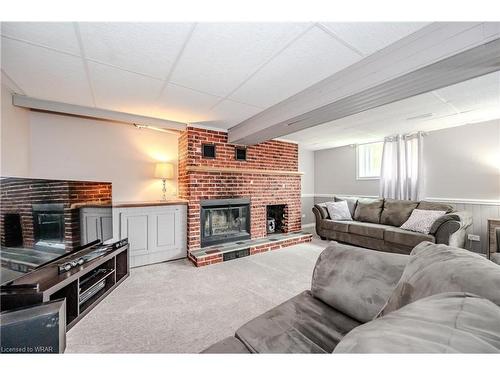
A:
(439, 299)
(376, 224)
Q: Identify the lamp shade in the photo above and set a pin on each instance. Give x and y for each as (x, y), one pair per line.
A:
(164, 170)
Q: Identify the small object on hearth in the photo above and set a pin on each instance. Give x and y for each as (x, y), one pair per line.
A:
(271, 225)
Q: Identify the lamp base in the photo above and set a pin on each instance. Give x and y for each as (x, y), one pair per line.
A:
(164, 190)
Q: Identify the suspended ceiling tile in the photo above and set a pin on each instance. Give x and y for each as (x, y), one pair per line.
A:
(185, 105)
(228, 113)
(119, 90)
(55, 76)
(148, 48)
(369, 37)
(220, 56)
(313, 57)
(57, 35)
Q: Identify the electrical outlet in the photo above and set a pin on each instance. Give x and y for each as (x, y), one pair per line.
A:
(473, 237)
(303, 215)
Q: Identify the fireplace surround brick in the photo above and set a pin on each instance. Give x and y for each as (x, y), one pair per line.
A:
(269, 176)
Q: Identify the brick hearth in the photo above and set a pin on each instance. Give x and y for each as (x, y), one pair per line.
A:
(269, 176)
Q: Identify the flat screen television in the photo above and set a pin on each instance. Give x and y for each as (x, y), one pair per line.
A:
(42, 219)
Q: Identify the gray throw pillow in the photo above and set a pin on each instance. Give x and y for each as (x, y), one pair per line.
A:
(338, 210)
(421, 220)
(437, 268)
(351, 203)
(443, 323)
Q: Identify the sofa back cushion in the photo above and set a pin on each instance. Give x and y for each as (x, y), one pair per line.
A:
(351, 203)
(435, 206)
(437, 268)
(443, 323)
(368, 210)
(396, 212)
(356, 281)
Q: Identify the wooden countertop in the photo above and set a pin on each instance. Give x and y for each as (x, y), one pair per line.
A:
(168, 202)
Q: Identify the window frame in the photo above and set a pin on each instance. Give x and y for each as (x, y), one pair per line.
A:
(366, 178)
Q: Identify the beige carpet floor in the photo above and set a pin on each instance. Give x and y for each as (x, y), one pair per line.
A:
(174, 307)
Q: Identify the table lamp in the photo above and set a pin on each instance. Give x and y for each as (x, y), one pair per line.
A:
(164, 171)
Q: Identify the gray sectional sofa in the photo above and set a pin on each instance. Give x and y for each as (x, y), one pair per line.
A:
(439, 299)
(376, 224)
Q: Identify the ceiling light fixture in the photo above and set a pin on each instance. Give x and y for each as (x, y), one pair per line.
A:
(425, 115)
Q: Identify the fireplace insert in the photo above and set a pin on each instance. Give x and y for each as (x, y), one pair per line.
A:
(224, 220)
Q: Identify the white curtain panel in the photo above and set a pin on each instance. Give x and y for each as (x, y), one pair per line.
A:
(402, 169)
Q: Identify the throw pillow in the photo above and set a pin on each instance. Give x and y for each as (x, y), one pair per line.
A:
(421, 220)
(438, 268)
(368, 210)
(338, 210)
(444, 323)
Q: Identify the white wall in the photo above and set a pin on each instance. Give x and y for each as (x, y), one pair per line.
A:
(461, 162)
(335, 173)
(306, 166)
(15, 138)
(65, 147)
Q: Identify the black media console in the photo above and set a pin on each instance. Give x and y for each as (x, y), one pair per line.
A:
(83, 286)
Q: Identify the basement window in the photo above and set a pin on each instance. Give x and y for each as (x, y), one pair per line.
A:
(369, 160)
(240, 153)
(208, 151)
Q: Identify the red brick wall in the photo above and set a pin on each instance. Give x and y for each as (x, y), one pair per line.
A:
(19, 194)
(262, 189)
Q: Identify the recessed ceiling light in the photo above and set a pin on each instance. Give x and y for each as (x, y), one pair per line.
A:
(425, 115)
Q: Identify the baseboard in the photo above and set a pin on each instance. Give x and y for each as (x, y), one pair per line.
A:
(310, 225)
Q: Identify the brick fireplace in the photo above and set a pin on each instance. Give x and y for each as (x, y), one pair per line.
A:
(268, 177)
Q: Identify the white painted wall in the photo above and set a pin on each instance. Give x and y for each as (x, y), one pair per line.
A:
(15, 138)
(461, 162)
(43, 145)
(306, 166)
(335, 173)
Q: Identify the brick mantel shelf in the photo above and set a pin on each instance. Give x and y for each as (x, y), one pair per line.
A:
(242, 170)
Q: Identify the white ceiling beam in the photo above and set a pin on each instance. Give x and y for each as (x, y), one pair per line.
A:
(96, 113)
(406, 68)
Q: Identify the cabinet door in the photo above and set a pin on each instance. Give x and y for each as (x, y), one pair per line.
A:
(135, 226)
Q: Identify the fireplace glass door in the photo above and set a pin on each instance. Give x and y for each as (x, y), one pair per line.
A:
(225, 223)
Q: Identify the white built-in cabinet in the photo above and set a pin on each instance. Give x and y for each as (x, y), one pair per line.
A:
(155, 233)
(96, 223)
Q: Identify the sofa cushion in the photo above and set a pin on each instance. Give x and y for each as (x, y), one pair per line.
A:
(368, 210)
(368, 229)
(405, 237)
(396, 212)
(443, 323)
(339, 226)
(303, 324)
(351, 203)
(229, 345)
(437, 268)
(435, 206)
(356, 281)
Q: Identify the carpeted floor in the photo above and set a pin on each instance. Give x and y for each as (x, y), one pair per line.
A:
(174, 307)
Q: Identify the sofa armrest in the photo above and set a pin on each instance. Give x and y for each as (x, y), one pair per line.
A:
(320, 213)
(450, 229)
(464, 218)
(356, 281)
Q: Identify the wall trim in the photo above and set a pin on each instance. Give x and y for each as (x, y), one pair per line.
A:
(487, 202)
(308, 195)
(309, 225)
